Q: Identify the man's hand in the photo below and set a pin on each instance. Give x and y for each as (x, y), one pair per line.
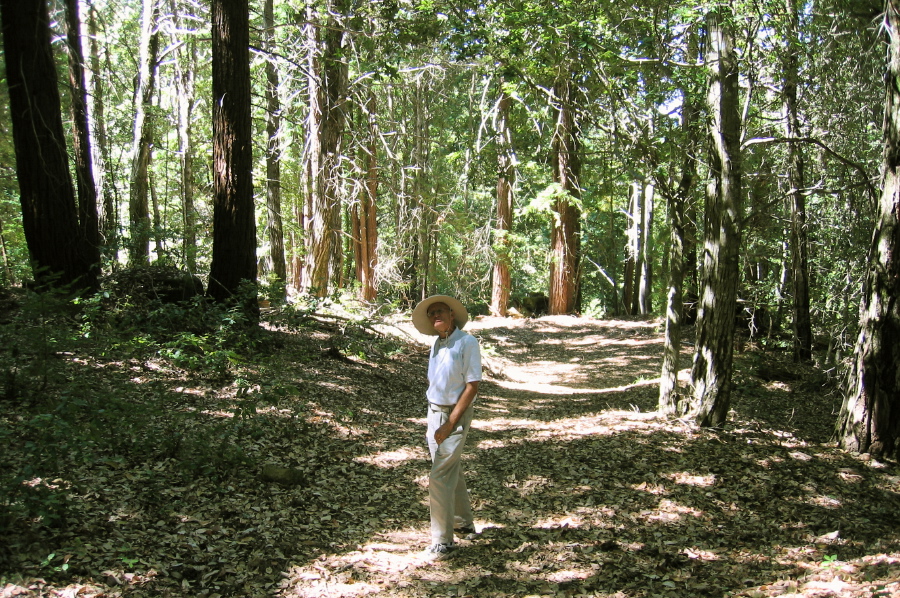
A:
(442, 433)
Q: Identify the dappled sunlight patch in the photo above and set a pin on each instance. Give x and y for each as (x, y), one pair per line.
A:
(559, 522)
(689, 479)
(395, 458)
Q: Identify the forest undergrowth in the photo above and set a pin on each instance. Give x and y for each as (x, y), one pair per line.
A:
(290, 461)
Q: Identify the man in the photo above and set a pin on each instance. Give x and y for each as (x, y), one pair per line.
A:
(454, 371)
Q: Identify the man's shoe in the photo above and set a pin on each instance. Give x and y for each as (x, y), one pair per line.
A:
(439, 552)
(466, 532)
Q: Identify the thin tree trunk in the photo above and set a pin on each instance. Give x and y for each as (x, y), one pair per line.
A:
(645, 275)
(799, 245)
(632, 248)
(565, 241)
(108, 220)
(506, 182)
(670, 403)
(712, 368)
(273, 157)
(138, 205)
(365, 231)
(234, 218)
(185, 66)
(869, 421)
(81, 145)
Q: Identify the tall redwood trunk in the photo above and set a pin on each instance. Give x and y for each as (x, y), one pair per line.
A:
(870, 416)
(796, 193)
(139, 201)
(712, 368)
(565, 240)
(81, 144)
(506, 180)
(49, 215)
(234, 218)
(274, 224)
(327, 77)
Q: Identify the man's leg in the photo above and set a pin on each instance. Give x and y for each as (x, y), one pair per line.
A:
(446, 487)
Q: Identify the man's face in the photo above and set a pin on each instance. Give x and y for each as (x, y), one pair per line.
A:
(441, 317)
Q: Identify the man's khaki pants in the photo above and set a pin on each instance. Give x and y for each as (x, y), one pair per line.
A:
(447, 490)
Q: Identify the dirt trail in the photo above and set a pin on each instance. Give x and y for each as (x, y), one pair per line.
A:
(581, 490)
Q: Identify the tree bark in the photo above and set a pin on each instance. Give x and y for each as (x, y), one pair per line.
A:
(796, 193)
(49, 214)
(632, 247)
(670, 403)
(274, 224)
(185, 66)
(364, 213)
(139, 203)
(327, 90)
(645, 271)
(869, 421)
(565, 240)
(234, 219)
(712, 367)
(81, 144)
(506, 181)
(108, 219)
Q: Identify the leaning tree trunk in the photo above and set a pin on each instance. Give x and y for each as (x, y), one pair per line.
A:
(870, 416)
(81, 144)
(138, 201)
(506, 181)
(49, 217)
(234, 218)
(712, 368)
(799, 246)
(273, 157)
(565, 245)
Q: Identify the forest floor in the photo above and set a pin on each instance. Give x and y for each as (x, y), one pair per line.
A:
(579, 487)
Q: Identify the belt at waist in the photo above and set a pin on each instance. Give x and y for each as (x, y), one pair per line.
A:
(444, 408)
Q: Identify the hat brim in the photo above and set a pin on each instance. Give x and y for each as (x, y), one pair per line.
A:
(423, 323)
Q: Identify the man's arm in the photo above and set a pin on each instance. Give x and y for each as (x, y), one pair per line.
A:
(465, 399)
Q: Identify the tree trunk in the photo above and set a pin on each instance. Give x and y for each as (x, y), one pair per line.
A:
(81, 144)
(799, 245)
(138, 204)
(645, 274)
(234, 219)
(365, 231)
(712, 368)
(506, 182)
(49, 215)
(273, 158)
(565, 240)
(870, 415)
(327, 90)
(632, 248)
(669, 401)
(185, 66)
(108, 219)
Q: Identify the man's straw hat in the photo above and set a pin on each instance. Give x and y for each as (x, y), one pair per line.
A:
(420, 313)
